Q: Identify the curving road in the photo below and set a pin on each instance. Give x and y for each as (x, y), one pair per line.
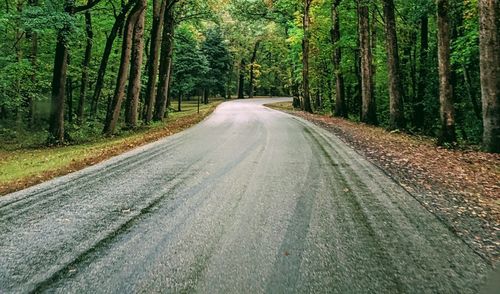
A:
(250, 200)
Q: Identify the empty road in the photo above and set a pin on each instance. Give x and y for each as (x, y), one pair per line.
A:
(251, 200)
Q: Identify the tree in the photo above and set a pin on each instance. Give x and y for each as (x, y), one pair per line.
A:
(418, 105)
(397, 119)
(368, 109)
(447, 112)
(340, 103)
(490, 72)
(251, 80)
(241, 80)
(114, 110)
(219, 62)
(117, 25)
(159, 7)
(305, 57)
(167, 47)
(85, 66)
(190, 64)
(134, 86)
(56, 125)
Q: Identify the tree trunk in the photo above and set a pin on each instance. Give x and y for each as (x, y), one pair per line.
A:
(134, 85)
(418, 105)
(159, 7)
(447, 113)
(85, 66)
(179, 103)
(397, 119)
(340, 103)
(489, 38)
(116, 102)
(56, 121)
(305, 58)
(241, 80)
(167, 47)
(206, 94)
(120, 19)
(368, 107)
(252, 74)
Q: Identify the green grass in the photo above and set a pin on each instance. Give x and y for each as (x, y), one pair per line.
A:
(25, 166)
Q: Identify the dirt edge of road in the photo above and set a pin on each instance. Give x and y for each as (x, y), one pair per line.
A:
(459, 187)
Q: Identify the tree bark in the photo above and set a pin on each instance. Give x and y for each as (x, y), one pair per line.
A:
(206, 94)
(134, 85)
(167, 47)
(252, 74)
(241, 80)
(418, 105)
(489, 39)
(368, 107)
(116, 102)
(447, 112)
(56, 121)
(120, 19)
(159, 7)
(305, 58)
(397, 119)
(340, 103)
(85, 66)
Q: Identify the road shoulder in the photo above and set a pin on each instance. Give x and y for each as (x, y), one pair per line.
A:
(459, 187)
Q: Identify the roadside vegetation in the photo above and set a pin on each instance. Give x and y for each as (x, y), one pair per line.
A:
(75, 71)
(24, 167)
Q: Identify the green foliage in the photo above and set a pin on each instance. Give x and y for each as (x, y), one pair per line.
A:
(190, 64)
(219, 61)
(213, 37)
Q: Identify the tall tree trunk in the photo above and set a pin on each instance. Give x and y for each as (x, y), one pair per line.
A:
(134, 85)
(397, 119)
(116, 102)
(241, 80)
(179, 102)
(251, 85)
(56, 121)
(120, 19)
(358, 97)
(159, 7)
(305, 57)
(368, 107)
(167, 47)
(206, 94)
(447, 113)
(340, 103)
(489, 38)
(418, 105)
(85, 66)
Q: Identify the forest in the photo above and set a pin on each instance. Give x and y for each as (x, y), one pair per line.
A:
(73, 70)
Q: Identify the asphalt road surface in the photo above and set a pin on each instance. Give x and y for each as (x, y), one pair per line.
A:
(251, 200)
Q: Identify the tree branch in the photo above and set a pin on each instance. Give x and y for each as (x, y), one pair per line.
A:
(87, 6)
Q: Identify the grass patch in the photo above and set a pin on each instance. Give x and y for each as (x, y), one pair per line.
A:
(22, 168)
(287, 106)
